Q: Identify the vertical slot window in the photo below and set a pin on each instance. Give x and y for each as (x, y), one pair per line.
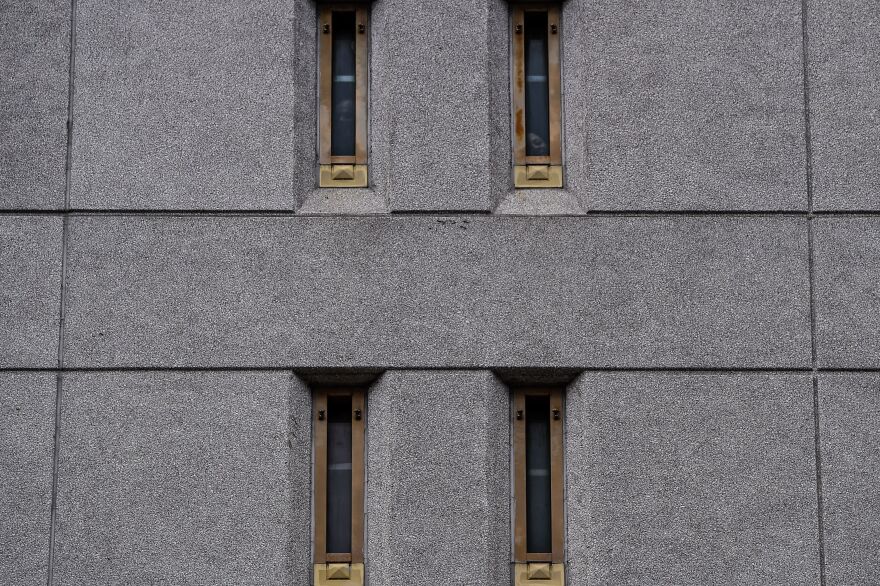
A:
(536, 87)
(538, 521)
(342, 89)
(338, 487)
(538, 487)
(537, 90)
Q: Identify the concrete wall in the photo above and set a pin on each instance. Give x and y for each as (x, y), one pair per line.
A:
(171, 279)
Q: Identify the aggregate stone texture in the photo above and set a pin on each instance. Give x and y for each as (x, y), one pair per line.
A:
(186, 105)
(27, 426)
(691, 479)
(847, 279)
(34, 59)
(844, 77)
(850, 433)
(438, 291)
(184, 478)
(438, 487)
(30, 290)
(439, 102)
(685, 104)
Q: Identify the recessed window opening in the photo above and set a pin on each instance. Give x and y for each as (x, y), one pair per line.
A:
(342, 95)
(536, 88)
(338, 432)
(539, 526)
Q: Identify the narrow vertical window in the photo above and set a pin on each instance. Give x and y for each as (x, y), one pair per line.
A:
(536, 86)
(538, 487)
(342, 88)
(339, 487)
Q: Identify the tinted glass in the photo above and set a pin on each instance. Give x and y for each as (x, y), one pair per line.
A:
(342, 113)
(537, 87)
(538, 474)
(338, 474)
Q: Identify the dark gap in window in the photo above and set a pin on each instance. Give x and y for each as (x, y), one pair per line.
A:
(338, 474)
(537, 84)
(342, 126)
(538, 522)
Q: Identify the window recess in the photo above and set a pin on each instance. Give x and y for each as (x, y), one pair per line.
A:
(537, 103)
(539, 516)
(342, 95)
(339, 417)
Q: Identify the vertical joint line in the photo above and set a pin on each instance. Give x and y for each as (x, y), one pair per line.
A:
(59, 378)
(820, 513)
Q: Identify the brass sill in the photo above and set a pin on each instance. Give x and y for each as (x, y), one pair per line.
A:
(343, 176)
(539, 574)
(537, 176)
(339, 574)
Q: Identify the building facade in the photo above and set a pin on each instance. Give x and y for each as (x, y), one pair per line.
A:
(175, 287)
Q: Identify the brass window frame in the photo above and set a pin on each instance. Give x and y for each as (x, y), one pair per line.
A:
(557, 506)
(358, 421)
(532, 170)
(336, 170)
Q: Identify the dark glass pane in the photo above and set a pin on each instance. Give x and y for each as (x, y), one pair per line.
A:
(538, 475)
(537, 87)
(342, 111)
(338, 474)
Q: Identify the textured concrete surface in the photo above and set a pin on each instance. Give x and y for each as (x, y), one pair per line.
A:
(30, 290)
(850, 432)
(184, 478)
(203, 477)
(437, 291)
(685, 104)
(847, 268)
(844, 68)
(436, 104)
(678, 478)
(27, 431)
(34, 59)
(438, 483)
(185, 104)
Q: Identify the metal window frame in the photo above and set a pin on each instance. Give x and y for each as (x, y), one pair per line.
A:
(557, 511)
(358, 421)
(536, 171)
(352, 168)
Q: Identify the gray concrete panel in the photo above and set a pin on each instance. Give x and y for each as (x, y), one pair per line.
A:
(184, 478)
(844, 69)
(437, 291)
(30, 290)
(847, 281)
(187, 105)
(27, 431)
(34, 59)
(850, 432)
(691, 479)
(438, 486)
(438, 102)
(685, 104)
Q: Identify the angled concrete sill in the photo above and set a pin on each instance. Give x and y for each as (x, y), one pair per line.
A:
(539, 202)
(339, 574)
(539, 574)
(342, 201)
